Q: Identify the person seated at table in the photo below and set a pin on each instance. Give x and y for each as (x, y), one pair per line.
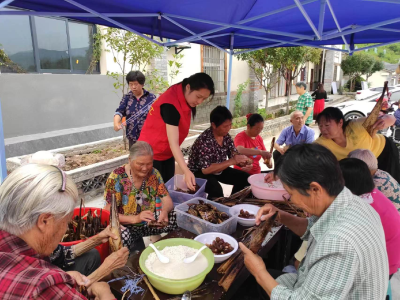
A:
(141, 196)
(293, 135)
(250, 143)
(385, 183)
(36, 204)
(342, 137)
(209, 153)
(359, 181)
(346, 256)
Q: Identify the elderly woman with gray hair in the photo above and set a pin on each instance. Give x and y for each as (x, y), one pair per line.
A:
(144, 205)
(384, 182)
(36, 204)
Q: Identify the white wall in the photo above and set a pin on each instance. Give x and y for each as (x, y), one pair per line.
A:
(191, 62)
(377, 79)
(240, 72)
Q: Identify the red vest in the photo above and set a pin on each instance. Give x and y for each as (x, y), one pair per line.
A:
(154, 130)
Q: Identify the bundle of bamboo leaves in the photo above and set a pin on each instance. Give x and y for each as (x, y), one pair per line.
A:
(252, 240)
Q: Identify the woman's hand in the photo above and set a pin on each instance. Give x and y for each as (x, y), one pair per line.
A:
(79, 278)
(104, 235)
(247, 168)
(145, 216)
(116, 260)
(266, 155)
(240, 158)
(100, 291)
(117, 126)
(265, 212)
(380, 124)
(269, 177)
(253, 262)
(163, 217)
(190, 180)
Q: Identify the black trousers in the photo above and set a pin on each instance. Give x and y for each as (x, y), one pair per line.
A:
(230, 176)
(87, 263)
(165, 167)
(388, 160)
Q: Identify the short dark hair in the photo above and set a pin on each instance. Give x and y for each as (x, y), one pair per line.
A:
(219, 115)
(136, 76)
(306, 163)
(357, 176)
(253, 119)
(332, 114)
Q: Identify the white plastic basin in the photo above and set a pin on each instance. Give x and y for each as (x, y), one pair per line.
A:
(261, 190)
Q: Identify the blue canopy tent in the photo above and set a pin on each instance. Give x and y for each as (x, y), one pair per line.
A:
(233, 26)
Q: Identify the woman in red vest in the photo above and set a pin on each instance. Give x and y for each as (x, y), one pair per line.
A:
(168, 122)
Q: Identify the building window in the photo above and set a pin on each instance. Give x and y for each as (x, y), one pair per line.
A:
(213, 64)
(46, 45)
(16, 42)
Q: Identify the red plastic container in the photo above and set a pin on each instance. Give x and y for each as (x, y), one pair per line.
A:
(103, 249)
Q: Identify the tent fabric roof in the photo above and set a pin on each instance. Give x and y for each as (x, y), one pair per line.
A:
(290, 24)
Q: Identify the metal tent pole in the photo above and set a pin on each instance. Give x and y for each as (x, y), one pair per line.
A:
(3, 166)
(228, 92)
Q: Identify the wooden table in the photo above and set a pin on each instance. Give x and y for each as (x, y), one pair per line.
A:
(214, 291)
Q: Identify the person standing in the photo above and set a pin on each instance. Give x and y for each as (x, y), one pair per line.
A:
(168, 122)
(319, 103)
(134, 106)
(213, 153)
(293, 135)
(250, 143)
(305, 103)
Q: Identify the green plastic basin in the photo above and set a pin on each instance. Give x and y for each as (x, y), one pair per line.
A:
(174, 286)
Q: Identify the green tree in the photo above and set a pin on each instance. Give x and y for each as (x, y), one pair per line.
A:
(376, 67)
(264, 65)
(6, 62)
(291, 60)
(356, 65)
(129, 49)
(175, 66)
(237, 112)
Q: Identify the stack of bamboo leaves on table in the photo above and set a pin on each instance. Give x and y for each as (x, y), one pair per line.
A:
(243, 197)
(253, 240)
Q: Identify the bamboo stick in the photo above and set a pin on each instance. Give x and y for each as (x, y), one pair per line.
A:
(149, 285)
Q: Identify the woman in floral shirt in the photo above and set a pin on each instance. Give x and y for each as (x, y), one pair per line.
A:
(134, 106)
(141, 196)
(209, 153)
(384, 182)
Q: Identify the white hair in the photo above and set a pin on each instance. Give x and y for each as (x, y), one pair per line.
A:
(366, 156)
(295, 112)
(140, 148)
(30, 191)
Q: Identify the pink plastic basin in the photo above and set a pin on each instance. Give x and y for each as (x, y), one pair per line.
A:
(262, 191)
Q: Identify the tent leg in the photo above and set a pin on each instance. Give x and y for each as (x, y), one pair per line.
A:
(228, 92)
(3, 166)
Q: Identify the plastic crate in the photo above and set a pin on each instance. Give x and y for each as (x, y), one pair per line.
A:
(179, 182)
(199, 226)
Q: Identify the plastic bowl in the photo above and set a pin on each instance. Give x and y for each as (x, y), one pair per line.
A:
(253, 209)
(173, 286)
(209, 237)
(262, 191)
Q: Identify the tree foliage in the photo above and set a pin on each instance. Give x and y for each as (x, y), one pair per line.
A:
(291, 60)
(129, 51)
(360, 64)
(264, 65)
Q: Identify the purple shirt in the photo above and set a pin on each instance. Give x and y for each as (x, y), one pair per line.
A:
(289, 138)
(397, 116)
